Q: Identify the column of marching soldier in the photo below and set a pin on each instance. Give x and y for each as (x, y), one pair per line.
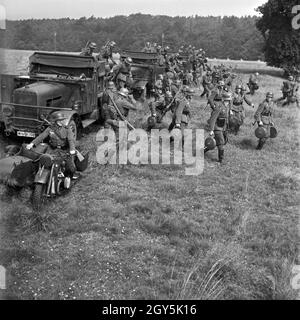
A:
(172, 92)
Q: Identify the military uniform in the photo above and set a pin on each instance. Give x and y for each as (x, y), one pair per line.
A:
(111, 115)
(215, 97)
(181, 112)
(61, 140)
(218, 123)
(206, 82)
(157, 109)
(237, 116)
(122, 72)
(253, 83)
(264, 114)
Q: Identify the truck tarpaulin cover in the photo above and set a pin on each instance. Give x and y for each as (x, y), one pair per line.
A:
(63, 60)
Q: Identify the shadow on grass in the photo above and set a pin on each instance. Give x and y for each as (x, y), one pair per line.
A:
(246, 144)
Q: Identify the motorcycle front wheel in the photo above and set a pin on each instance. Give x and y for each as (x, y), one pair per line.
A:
(38, 196)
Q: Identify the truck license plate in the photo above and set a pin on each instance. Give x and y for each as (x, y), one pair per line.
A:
(26, 134)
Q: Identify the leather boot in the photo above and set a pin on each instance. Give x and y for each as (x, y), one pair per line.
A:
(221, 155)
(260, 144)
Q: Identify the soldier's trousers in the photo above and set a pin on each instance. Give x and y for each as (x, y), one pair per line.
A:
(221, 138)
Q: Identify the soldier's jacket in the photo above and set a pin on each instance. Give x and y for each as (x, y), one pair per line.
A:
(106, 53)
(287, 86)
(121, 68)
(122, 104)
(264, 112)
(219, 118)
(158, 105)
(106, 94)
(58, 137)
(216, 96)
(206, 80)
(238, 100)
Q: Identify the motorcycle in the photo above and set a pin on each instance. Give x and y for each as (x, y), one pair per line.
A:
(43, 172)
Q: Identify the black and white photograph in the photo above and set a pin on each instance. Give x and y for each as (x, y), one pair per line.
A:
(149, 151)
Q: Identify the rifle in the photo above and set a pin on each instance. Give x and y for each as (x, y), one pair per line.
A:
(169, 105)
(120, 114)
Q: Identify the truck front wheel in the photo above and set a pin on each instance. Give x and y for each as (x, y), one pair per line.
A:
(76, 128)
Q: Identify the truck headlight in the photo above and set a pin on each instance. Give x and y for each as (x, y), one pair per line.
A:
(7, 111)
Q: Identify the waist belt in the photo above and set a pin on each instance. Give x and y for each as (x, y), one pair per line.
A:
(265, 114)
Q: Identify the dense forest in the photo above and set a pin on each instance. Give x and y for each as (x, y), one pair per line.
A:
(221, 37)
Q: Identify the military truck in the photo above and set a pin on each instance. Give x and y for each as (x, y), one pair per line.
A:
(145, 70)
(67, 82)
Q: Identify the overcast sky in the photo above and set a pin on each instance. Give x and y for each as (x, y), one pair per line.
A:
(26, 9)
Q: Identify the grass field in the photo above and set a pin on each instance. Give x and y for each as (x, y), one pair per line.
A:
(151, 232)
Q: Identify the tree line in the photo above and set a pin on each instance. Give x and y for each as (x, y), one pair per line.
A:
(221, 37)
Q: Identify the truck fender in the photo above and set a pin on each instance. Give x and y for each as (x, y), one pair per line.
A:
(70, 115)
(42, 176)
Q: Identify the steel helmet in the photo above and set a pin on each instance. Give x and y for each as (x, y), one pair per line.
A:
(167, 48)
(110, 85)
(158, 47)
(226, 96)
(260, 132)
(273, 132)
(124, 92)
(210, 143)
(58, 115)
(290, 78)
(92, 45)
(128, 60)
(269, 95)
(257, 74)
(112, 44)
(238, 87)
(161, 76)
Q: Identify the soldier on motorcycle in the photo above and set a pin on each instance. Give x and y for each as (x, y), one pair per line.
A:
(61, 142)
